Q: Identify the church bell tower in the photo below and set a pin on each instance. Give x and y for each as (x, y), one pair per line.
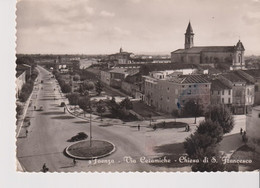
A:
(189, 37)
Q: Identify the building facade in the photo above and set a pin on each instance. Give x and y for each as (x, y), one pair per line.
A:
(175, 92)
(230, 56)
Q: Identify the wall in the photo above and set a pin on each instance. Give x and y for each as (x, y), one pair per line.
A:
(105, 77)
(19, 83)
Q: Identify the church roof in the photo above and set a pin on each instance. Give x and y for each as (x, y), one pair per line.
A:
(199, 49)
(189, 29)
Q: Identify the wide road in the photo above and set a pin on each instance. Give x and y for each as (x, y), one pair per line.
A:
(51, 128)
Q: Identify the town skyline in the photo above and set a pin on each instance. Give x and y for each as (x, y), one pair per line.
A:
(96, 27)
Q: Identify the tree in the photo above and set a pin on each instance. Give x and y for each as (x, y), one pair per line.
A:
(86, 86)
(76, 78)
(73, 98)
(203, 144)
(101, 108)
(222, 115)
(99, 87)
(126, 103)
(193, 108)
(66, 88)
(84, 104)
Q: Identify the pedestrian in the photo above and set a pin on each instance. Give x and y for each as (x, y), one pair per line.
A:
(44, 168)
(74, 162)
(34, 108)
(138, 127)
(241, 131)
(64, 110)
(26, 132)
(154, 127)
(188, 128)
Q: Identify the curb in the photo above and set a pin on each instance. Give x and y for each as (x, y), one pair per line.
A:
(90, 158)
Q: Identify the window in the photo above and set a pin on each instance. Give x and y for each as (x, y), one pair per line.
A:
(183, 86)
(189, 92)
(206, 85)
(168, 98)
(195, 86)
(218, 92)
(229, 92)
(259, 115)
(168, 89)
(189, 85)
(229, 100)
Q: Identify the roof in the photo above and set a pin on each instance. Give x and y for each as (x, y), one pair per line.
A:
(199, 49)
(253, 72)
(231, 76)
(119, 70)
(186, 79)
(218, 85)
(189, 29)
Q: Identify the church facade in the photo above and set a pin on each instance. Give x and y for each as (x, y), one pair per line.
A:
(231, 57)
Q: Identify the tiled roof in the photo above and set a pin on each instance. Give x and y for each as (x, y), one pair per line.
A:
(253, 72)
(186, 79)
(199, 49)
(218, 85)
(231, 76)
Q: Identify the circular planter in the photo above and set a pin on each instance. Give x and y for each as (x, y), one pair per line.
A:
(98, 149)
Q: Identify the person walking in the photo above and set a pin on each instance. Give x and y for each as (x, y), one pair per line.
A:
(74, 162)
(241, 131)
(26, 132)
(138, 127)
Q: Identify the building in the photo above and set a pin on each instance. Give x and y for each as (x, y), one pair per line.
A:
(105, 77)
(242, 92)
(221, 93)
(120, 58)
(254, 76)
(66, 65)
(231, 57)
(176, 91)
(20, 81)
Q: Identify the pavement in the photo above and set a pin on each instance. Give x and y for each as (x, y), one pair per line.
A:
(51, 128)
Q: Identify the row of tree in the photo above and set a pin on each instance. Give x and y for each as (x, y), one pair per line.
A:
(203, 144)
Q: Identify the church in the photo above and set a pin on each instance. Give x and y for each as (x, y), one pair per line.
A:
(227, 57)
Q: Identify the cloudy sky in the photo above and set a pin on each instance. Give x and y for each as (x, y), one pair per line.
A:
(103, 26)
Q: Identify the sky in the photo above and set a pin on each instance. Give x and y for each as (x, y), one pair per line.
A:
(138, 26)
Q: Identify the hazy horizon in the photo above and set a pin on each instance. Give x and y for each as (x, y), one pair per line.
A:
(138, 26)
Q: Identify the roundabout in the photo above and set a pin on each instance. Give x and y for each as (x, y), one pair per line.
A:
(85, 150)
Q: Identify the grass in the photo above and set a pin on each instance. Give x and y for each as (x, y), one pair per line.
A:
(169, 125)
(83, 149)
(143, 109)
